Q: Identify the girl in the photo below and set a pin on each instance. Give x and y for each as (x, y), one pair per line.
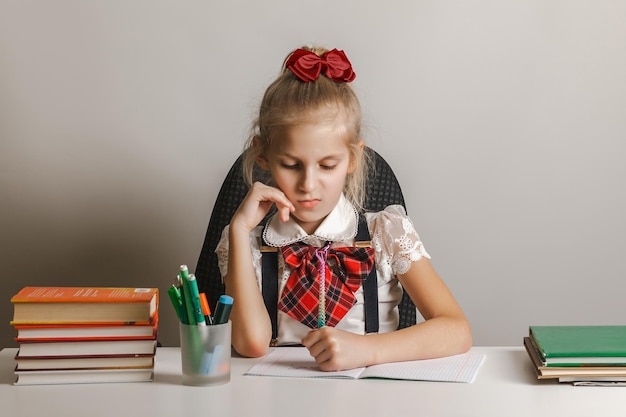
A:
(307, 140)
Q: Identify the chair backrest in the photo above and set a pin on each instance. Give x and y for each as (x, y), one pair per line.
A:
(383, 190)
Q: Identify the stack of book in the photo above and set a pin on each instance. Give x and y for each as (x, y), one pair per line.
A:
(85, 334)
(582, 355)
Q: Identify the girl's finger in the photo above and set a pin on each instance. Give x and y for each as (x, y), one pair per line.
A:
(284, 214)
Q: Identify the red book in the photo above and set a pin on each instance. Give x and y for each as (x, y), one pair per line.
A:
(83, 376)
(87, 348)
(84, 362)
(85, 331)
(40, 305)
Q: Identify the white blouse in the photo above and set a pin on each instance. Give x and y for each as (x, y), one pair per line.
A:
(394, 239)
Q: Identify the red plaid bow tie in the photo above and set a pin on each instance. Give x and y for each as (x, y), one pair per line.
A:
(338, 272)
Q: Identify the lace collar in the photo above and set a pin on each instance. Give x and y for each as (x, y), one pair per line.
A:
(340, 225)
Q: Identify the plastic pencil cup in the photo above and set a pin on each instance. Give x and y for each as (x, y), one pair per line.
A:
(205, 354)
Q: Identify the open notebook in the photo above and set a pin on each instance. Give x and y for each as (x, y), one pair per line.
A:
(297, 362)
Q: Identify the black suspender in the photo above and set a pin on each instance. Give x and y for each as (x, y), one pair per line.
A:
(370, 285)
(269, 283)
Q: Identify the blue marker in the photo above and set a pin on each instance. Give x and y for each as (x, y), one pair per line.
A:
(222, 311)
(205, 365)
(215, 360)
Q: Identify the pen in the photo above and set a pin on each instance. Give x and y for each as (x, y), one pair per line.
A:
(206, 310)
(195, 300)
(184, 276)
(222, 310)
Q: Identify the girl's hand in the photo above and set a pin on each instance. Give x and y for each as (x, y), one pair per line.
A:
(257, 203)
(336, 350)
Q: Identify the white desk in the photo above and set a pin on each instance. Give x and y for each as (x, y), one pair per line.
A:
(505, 386)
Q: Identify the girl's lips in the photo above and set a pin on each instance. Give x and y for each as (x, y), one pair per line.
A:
(308, 203)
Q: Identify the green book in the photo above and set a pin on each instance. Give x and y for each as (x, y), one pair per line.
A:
(580, 345)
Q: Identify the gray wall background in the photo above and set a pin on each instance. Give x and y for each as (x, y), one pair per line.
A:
(503, 119)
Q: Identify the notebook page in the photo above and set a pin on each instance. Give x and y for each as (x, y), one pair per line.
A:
(457, 368)
(297, 362)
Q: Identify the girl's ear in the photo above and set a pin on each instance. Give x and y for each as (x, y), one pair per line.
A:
(356, 155)
(261, 160)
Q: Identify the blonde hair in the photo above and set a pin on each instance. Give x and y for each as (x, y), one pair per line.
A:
(287, 102)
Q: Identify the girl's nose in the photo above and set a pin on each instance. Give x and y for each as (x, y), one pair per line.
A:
(307, 181)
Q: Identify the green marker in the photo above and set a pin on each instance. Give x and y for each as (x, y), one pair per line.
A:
(195, 300)
(177, 301)
(187, 297)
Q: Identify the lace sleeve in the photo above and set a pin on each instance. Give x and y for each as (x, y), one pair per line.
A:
(222, 252)
(395, 240)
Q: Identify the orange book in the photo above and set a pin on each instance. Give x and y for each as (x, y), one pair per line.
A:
(39, 305)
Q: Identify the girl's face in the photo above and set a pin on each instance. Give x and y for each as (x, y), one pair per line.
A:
(309, 164)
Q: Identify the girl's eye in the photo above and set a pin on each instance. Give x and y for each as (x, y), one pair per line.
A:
(297, 166)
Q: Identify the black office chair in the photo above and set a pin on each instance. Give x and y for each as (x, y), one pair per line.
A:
(383, 190)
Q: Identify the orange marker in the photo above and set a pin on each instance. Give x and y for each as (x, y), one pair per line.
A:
(206, 310)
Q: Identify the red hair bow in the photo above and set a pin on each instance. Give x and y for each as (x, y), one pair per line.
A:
(307, 65)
